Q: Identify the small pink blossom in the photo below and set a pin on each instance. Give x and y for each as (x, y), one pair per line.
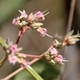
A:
(12, 59)
(15, 21)
(59, 59)
(42, 31)
(39, 15)
(13, 49)
(23, 14)
(53, 51)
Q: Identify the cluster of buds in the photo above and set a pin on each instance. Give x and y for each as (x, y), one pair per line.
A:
(13, 53)
(68, 40)
(71, 39)
(32, 21)
(52, 56)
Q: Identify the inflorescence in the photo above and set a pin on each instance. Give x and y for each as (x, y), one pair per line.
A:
(34, 21)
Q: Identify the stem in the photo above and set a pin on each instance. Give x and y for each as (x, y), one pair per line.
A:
(33, 73)
(71, 15)
(3, 61)
(21, 32)
(49, 35)
(73, 2)
(33, 56)
(19, 37)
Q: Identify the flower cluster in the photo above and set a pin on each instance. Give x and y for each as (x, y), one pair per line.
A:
(71, 39)
(52, 56)
(13, 53)
(32, 21)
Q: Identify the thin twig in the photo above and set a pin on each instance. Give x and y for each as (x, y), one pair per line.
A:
(33, 56)
(49, 35)
(21, 32)
(3, 60)
(73, 2)
(69, 25)
(19, 37)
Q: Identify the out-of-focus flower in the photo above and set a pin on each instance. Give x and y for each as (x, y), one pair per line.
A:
(16, 21)
(39, 16)
(14, 55)
(42, 31)
(53, 51)
(12, 59)
(71, 39)
(13, 49)
(23, 14)
(59, 59)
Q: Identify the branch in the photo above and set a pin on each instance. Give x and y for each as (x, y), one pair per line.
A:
(71, 15)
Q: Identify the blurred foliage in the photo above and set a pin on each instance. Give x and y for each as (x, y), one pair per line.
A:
(8, 8)
(46, 71)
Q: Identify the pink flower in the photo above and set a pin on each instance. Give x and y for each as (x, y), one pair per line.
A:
(15, 21)
(53, 51)
(13, 49)
(39, 15)
(23, 14)
(59, 59)
(42, 31)
(12, 59)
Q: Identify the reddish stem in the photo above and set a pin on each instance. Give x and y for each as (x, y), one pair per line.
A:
(19, 37)
(30, 55)
(33, 56)
(21, 32)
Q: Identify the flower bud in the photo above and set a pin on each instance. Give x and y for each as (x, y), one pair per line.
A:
(39, 16)
(57, 44)
(36, 25)
(71, 39)
(42, 31)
